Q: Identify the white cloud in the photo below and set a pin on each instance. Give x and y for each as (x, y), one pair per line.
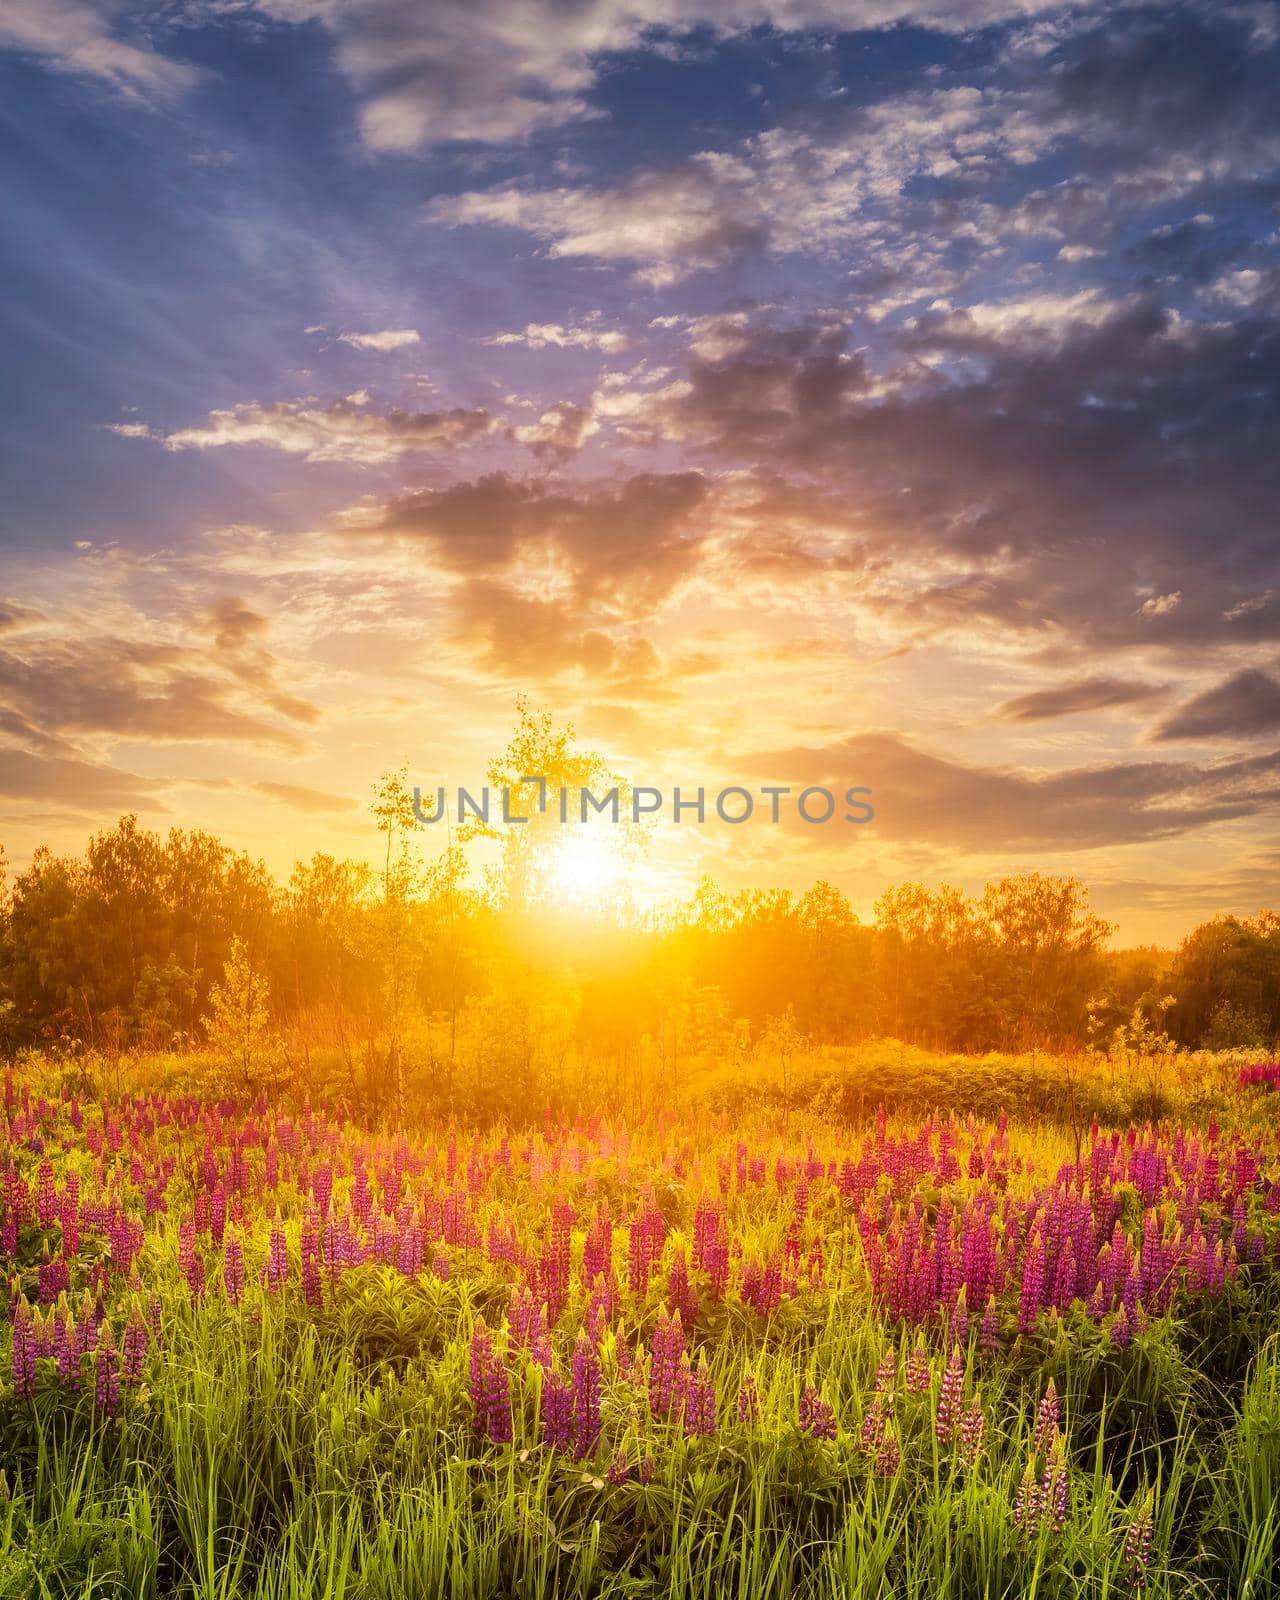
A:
(76, 37)
(387, 339)
(545, 335)
(342, 431)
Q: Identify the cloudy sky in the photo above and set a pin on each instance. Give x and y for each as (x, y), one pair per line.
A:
(787, 391)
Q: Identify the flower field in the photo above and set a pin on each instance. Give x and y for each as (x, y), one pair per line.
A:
(265, 1352)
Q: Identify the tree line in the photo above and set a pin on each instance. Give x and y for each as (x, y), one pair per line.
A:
(410, 968)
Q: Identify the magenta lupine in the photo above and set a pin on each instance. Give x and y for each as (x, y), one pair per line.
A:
(68, 1352)
(889, 1456)
(1137, 1545)
(24, 1351)
(665, 1364)
(817, 1418)
(106, 1377)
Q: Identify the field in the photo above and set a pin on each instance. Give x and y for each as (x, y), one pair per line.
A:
(261, 1351)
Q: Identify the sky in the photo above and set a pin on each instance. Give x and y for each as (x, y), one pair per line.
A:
(833, 392)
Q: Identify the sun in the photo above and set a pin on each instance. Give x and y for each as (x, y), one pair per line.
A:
(584, 869)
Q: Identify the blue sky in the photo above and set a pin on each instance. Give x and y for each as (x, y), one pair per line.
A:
(874, 389)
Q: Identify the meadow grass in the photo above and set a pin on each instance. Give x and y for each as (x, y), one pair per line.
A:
(319, 1437)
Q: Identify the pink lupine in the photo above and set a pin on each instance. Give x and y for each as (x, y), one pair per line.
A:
(973, 1427)
(1048, 1419)
(950, 1397)
(918, 1373)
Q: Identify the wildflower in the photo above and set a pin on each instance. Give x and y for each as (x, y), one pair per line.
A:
(918, 1375)
(557, 1412)
(888, 1457)
(1137, 1545)
(817, 1418)
(277, 1259)
(989, 1334)
(1026, 1507)
(1047, 1420)
(106, 1378)
(749, 1401)
(885, 1373)
(665, 1365)
(586, 1398)
(700, 1402)
(619, 1468)
(950, 1397)
(973, 1425)
(233, 1270)
(133, 1350)
(489, 1388)
(875, 1427)
(24, 1351)
(1054, 1486)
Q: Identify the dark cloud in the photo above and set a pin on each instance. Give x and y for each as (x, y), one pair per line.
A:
(929, 799)
(624, 546)
(1086, 694)
(1247, 705)
(77, 786)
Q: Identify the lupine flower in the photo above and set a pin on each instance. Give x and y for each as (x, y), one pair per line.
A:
(233, 1270)
(748, 1401)
(586, 1398)
(1054, 1486)
(619, 1468)
(1048, 1418)
(918, 1374)
(557, 1412)
(106, 1377)
(133, 1350)
(950, 1397)
(885, 1373)
(973, 1425)
(490, 1390)
(1137, 1545)
(277, 1259)
(817, 1418)
(24, 1351)
(700, 1401)
(1026, 1507)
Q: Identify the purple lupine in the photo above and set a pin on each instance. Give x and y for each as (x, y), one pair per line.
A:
(586, 1398)
(665, 1364)
(885, 1373)
(489, 1387)
(1055, 1486)
(106, 1376)
(68, 1351)
(875, 1427)
(619, 1468)
(557, 1412)
(233, 1270)
(700, 1401)
(1026, 1507)
(24, 1351)
(817, 1418)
